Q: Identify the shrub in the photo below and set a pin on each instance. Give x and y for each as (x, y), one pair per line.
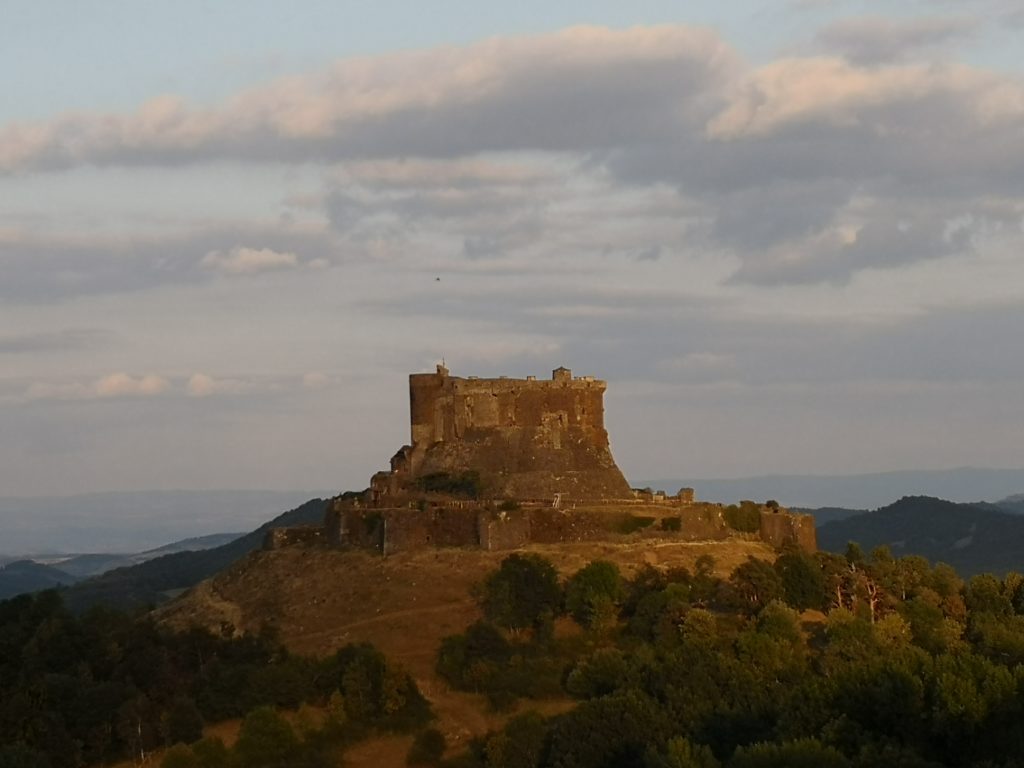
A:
(744, 517)
(522, 592)
(633, 523)
(466, 484)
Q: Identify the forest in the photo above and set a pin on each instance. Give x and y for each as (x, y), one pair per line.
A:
(854, 660)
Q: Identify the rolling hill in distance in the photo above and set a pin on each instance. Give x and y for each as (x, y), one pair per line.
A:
(973, 538)
(864, 491)
(134, 521)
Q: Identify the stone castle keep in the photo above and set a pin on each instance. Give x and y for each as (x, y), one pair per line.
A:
(501, 463)
(526, 438)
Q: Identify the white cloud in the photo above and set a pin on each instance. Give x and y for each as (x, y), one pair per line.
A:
(203, 385)
(113, 385)
(122, 384)
(584, 86)
(248, 261)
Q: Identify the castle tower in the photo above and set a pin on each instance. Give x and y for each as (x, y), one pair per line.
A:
(527, 438)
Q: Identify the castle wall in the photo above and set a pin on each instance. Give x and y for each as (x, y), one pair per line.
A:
(469, 524)
(308, 535)
(504, 529)
(527, 438)
(782, 528)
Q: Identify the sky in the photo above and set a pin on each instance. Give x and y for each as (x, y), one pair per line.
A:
(788, 234)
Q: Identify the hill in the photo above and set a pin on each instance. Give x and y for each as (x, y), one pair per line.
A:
(317, 600)
(84, 566)
(823, 515)
(132, 521)
(973, 538)
(865, 491)
(153, 581)
(27, 576)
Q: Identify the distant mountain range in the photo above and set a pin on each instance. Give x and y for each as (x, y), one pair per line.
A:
(973, 538)
(133, 521)
(867, 491)
(156, 580)
(45, 571)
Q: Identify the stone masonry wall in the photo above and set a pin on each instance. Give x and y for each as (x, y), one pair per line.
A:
(476, 525)
(527, 438)
(781, 528)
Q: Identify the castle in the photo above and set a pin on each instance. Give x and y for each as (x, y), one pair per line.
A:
(526, 438)
(501, 463)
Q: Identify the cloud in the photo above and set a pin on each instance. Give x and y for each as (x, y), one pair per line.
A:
(114, 385)
(203, 385)
(582, 87)
(565, 150)
(874, 40)
(247, 261)
(42, 267)
(834, 92)
(315, 380)
(53, 341)
(121, 385)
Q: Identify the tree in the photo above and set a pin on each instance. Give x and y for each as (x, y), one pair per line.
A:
(21, 756)
(522, 592)
(266, 740)
(802, 753)
(520, 745)
(594, 592)
(182, 722)
(802, 580)
(755, 584)
(681, 753)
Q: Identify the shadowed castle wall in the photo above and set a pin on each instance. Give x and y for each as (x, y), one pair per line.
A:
(469, 524)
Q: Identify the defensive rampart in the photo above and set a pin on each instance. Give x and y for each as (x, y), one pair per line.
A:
(481, 524)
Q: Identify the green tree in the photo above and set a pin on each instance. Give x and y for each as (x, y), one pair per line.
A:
(182, 722)
(802, 753)
(597, 675)
(519, 745)
(593, 593)
(266, 740)
(681, 753)
(522, 593)
(754, 584)
(802, 580)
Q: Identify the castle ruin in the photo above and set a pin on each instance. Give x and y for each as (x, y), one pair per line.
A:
(502, 463)
(524, 438)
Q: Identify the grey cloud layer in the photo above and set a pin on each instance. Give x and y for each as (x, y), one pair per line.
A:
(805, 169)
(876, 39)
